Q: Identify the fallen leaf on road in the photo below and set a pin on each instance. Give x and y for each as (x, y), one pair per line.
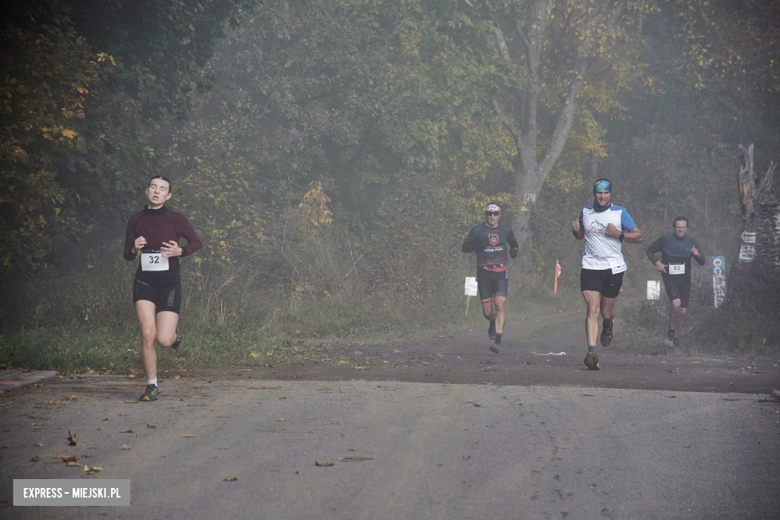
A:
(72, 438)
(5, 404)
(188, 435)
(126, 447)
(672, 396)
(66, 458)
(69, 398)
(93, 469)
(282, 397)
(127, 431)
(132, 402)
(39, 444)
(477, 405)
(356, 458)
(151, 426)
(673, 371)
(281, 420)
(231, 479)
(359, 368)
(300, 472)
(176, 377)
(223, 448)
(323, 463)
(687, 446)
(37, 424)
(131, 376)
(35, 459)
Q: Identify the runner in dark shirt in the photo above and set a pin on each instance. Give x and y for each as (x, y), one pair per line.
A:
(676, 249)
(154, 233)
(490, 241)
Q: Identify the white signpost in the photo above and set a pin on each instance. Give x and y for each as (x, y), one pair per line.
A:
(718, 279)
(748, 248)
(653, 290)
(471, 290)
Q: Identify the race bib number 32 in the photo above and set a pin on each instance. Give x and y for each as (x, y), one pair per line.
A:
(153, 261)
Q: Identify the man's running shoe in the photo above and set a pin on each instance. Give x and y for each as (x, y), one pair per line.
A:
(492, 330)
(495, 347)
(176, 344)
(150, 394)
(592, 361)
(606, 335)
(669, 341)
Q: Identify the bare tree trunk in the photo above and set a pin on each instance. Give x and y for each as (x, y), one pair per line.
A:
(748, 279)
(531, 165)
(750, 196)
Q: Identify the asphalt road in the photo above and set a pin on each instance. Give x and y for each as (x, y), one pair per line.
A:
(462, 435)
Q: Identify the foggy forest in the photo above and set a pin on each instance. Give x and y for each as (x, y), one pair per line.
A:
(333, 155)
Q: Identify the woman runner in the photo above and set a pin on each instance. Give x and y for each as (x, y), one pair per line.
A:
(154, 233)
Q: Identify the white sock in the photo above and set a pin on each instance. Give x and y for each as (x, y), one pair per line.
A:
(152, 381)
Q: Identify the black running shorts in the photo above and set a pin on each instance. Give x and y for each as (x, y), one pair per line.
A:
(491, 283)
(677, 288)
(601, 281)
(162, 288)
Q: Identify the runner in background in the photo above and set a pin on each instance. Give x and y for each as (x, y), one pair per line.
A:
(490, 241)
(676, 249)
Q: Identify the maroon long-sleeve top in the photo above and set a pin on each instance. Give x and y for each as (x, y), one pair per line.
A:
(158, 226)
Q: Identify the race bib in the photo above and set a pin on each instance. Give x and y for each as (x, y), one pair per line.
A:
(619, 268)
(676, 268)
(153, 261)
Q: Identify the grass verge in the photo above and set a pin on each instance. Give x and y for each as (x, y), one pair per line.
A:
(283, 338)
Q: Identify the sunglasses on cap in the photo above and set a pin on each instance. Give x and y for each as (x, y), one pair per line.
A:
(492, 213)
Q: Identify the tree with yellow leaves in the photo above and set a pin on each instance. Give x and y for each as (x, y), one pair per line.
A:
(46, 78)
(507, 83)
(576, 55)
